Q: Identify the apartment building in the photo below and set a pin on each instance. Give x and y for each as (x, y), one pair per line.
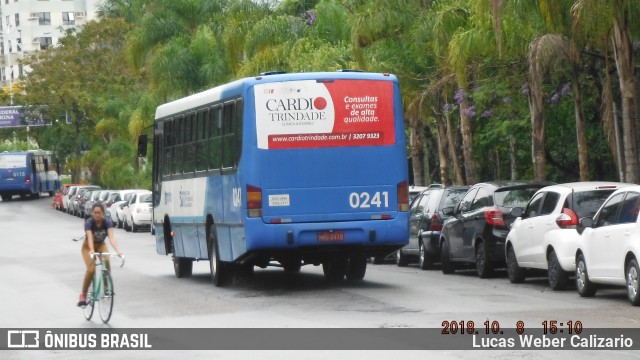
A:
(27, 26)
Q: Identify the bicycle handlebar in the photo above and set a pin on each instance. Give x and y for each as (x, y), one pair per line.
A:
(96, 254)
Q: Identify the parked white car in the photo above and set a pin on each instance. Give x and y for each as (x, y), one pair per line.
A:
(610, 246)
(66, 197)
(137, 212)
(546, 233)
(115, 210)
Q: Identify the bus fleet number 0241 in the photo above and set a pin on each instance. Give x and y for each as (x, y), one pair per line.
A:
(365, 200)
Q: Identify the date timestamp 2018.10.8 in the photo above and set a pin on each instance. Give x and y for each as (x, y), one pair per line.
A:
(549, 327)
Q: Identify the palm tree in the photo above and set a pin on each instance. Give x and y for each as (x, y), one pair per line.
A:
(618, 18)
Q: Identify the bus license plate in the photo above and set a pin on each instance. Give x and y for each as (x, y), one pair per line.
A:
(330, 235)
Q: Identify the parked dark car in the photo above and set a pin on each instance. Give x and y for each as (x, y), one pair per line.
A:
(426, 219)
(476, 231)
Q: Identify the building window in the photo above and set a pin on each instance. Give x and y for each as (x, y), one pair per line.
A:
(44, 18)
(68, 18)
(45, 42)
(17, 19)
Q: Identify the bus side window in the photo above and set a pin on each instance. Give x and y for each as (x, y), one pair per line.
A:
(227, 135)
(168, 136)
(202, 138)
(238, 130)
(178, 148)
(189, 146)
(214, 138)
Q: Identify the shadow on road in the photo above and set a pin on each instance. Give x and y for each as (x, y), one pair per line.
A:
(278, 281)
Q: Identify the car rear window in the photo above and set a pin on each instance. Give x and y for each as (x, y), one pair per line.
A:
(451, 197)
(146, 198)
(587, 203)
(514, 197)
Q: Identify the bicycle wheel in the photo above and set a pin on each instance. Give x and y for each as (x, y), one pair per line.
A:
(88, 309)
(106, 301)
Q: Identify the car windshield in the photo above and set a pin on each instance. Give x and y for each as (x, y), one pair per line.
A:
(113, 196)
(146, 198)
(587, 203)
(511, 198)
(452, 197)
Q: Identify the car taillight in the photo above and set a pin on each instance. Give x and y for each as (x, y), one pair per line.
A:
(567, 219)
(494, 217)
(109, 204)
(27, 181)
(436, 222)
(403, 196)
(254, 201)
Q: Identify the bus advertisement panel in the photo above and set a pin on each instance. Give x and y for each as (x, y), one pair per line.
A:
(307, 114)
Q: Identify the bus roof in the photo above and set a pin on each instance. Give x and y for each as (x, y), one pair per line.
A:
(236, 88)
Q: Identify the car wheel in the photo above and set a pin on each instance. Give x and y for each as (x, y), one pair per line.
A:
(633, 286)
(119, 224)
(558, 278)
(445, 259)
(377, 260)
(134, 227)
(514, 271)
(484, 267)
(401, 258)
(126, 225)
(426, 261)
(585, 287)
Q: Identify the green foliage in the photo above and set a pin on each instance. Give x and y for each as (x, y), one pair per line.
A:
(110, 76)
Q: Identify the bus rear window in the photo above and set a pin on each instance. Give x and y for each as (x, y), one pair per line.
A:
(13, 161)
(313, 114)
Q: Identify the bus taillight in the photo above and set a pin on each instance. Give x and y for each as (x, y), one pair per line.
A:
(403, 196)
(254, 201)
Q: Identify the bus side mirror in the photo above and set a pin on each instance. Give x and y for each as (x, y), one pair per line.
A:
(142, 145)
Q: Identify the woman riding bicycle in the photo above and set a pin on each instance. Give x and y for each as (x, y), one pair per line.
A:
(97, 229)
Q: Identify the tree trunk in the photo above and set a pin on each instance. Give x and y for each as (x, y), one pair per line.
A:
(467, 143)
(514, 158)
(453, 152)
(583, 159)
(536, 108)
(624, 63)
(442, 151)
(417, 155)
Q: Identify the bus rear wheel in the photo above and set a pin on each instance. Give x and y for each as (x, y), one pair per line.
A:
(183, 267)
(6, 197)
(221, 271)
(336, 268)
(357, 267)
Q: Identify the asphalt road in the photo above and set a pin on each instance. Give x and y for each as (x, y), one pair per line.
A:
(41, 273)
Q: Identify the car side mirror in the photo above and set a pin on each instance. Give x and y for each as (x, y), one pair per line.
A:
(586, 222)
(449, 210)
(142, 145)
(516, 212)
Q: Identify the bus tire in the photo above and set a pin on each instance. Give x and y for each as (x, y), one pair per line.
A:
(335, 268)
(357, 268)
(51, 193)
(183, 267)
(221, 271)
(292, 265)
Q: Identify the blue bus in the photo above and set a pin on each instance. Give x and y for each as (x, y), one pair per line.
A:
(284, 170)
(27, 173)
